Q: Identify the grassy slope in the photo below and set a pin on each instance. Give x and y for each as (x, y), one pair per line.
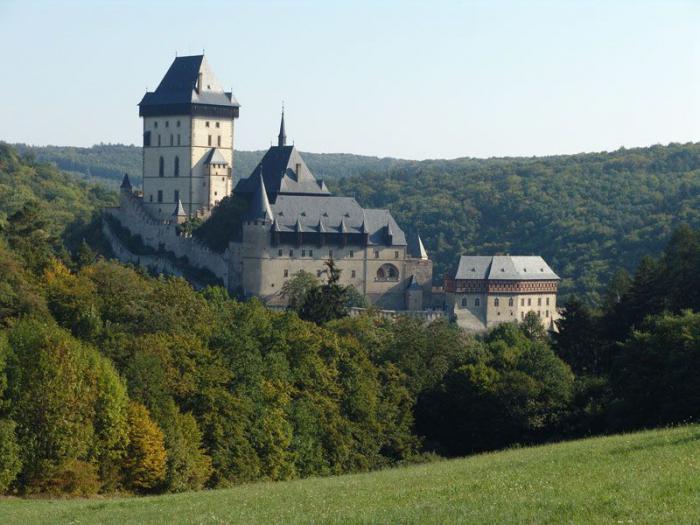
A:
(649, 477)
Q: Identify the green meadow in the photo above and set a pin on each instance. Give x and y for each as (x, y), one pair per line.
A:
(646, 477)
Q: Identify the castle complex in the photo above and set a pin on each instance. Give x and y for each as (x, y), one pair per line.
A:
(289, 220)
(292, 222)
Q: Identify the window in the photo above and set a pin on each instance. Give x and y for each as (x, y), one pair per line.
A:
(477, 302)
(303, 253)
(376, 254)
(311, 253)
(279, 252)
(546, 313)
(178, 139)
(547, 301)
(209, 139)
(464, 302)
(510, 301)
(159, 139)
(495, 301)
(529, 301)
(167, 124)
(217, 124)
(146, 138)
(396, 254)
(150, 197)
(160, 195)
(161, 167)
(353, 274)
(539, 301)
(177, 124)
(522, 315)
(177, 167)
(176, 196)
(155, 124)
(206, 123)
(387, 272)
(352, 253)
(218, 140)
(286, 273)
(172, 139)
(291, 253)
(522, 302)
(216, 193)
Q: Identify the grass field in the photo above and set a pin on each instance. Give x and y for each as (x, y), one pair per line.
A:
(648, 477)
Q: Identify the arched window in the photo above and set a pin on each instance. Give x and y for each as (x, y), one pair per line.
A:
(495, 301)
(177, 166)
(510, 301)
(387, 272)
(477, 302)
(161, 167)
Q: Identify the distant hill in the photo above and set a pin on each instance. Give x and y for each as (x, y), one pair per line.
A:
(587, 214)
(109, 162)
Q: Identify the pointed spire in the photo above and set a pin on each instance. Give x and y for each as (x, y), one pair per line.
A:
(297, 226)
(179, 210)
(282, 137)
(126, 183)
(422, 253)
(261, 205)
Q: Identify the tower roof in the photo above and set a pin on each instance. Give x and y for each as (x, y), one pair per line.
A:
(413, 283)
(126, 183)
(179, 210)
(188, 81)
(260, 206)
(215, 157)
(415, 246)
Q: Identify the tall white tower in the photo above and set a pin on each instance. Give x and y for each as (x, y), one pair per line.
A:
(187, 140)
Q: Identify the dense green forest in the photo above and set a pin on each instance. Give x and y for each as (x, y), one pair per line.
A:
(587, 214)
(115, 380)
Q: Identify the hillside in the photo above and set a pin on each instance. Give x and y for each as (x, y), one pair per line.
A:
(648, 477)
(587, 214)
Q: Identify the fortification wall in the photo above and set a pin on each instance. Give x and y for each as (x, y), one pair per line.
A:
(164, 236)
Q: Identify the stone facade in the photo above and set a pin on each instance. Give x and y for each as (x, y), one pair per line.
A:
(293, 221)
(486, 291)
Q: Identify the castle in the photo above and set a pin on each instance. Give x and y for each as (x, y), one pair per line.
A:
(291, 221)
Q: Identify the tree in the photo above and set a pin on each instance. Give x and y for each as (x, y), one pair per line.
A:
(532, 327)
(328, 301)
(10, 462)
(296, 289)
(577, 340)
(146, 459)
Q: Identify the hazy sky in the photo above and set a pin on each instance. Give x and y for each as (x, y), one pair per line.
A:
(387, 78)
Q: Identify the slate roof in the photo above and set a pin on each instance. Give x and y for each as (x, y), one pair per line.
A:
(413, 284)
(278, 167)
(126, 183)
(415, 246)
(314, 213)
(260, 206)
(504, 267)
(179, 85)
(179, 210)
(215, 157)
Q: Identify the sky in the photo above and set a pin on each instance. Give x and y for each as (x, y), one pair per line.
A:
(402, 79)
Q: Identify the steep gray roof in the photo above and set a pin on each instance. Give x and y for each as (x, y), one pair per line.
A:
(504, 267)
(279, 169)
(126, 183)
(333, 215)
(415, 246)
(215, 157)
(179, 210)
(260, 206)
(413, 284)
(179, 85)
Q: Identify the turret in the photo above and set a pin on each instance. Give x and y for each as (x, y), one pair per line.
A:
(282, 137)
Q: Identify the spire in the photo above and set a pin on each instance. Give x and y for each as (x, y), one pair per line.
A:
(179, 210)
(126, 183)
(282, 137)
(421, 249)
(261, 205)
(298, 227)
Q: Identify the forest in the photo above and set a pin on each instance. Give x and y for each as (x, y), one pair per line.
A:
(114, 380)
(586, 214)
